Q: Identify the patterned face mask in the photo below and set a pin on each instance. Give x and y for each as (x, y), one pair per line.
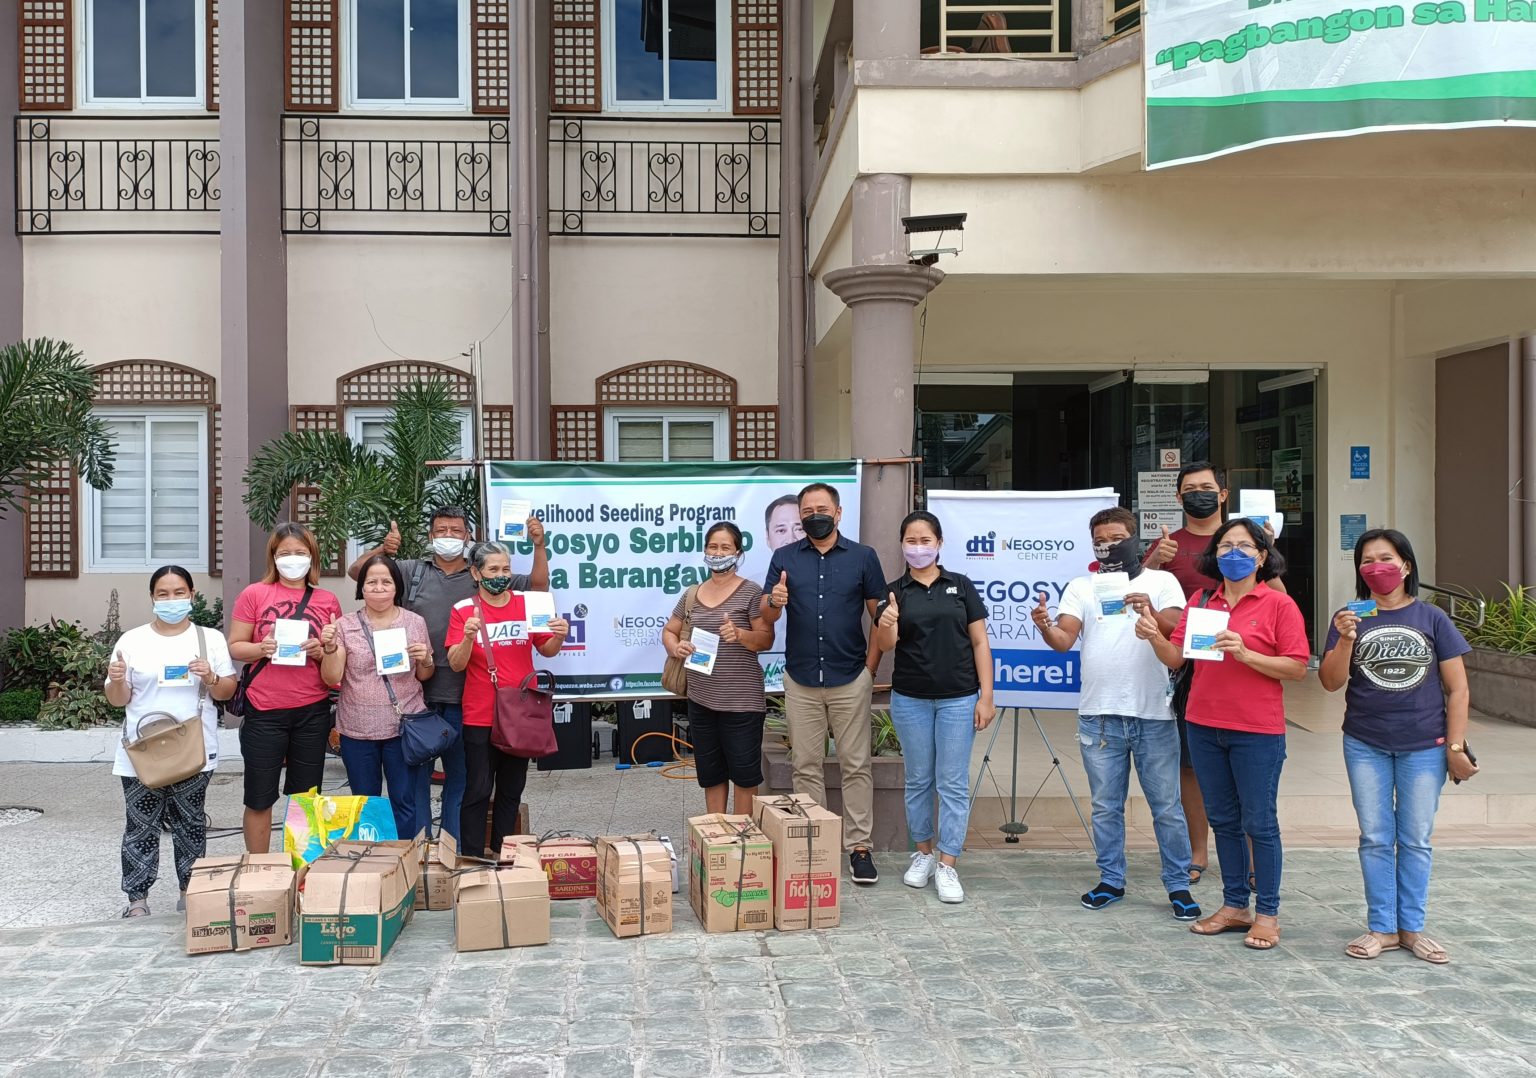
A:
(495, 585)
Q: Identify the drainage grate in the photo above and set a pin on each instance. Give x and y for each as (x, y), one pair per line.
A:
(11, 815)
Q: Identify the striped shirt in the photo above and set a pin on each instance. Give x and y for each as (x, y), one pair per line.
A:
(737, 682)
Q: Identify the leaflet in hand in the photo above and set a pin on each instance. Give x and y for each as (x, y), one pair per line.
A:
(1258, 505)
(175, 675)
(389, 655)
(705, 646)
(1201, 624)
(1110, 590)
(290, 634)
(539, 608)
(514, 519)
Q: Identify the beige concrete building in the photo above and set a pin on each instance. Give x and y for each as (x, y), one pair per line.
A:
(675, 227)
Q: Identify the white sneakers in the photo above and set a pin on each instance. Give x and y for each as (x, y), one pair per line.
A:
(921, 869)
(948, 884)
(925, 867)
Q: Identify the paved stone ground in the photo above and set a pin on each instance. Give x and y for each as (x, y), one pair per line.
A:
(1017, 981)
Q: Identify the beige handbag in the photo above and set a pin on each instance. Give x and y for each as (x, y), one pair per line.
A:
(166, 750)
(674, 678)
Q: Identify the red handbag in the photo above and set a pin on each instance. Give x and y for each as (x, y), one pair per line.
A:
(523, 719)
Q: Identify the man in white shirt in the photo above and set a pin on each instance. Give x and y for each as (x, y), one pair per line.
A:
(1123, 714)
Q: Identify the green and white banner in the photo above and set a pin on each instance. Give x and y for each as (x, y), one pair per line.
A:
(1227, 76)
(626, 540)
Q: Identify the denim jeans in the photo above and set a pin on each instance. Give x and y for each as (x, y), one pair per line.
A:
(936, 738)
(1110, 743)
(1239, 773)
(453, 774)
(370, 764)
(1396, 795)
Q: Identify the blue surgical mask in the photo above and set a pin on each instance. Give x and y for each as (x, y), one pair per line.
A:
(1235, 565)
(173, 611)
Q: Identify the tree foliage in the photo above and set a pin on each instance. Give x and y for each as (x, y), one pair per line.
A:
(46, 393)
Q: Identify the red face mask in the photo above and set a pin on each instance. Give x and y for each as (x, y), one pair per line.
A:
(1382, 577)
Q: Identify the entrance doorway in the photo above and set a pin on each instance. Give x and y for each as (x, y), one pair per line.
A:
(1074, 429)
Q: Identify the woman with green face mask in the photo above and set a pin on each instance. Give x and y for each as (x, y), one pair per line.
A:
(495, 617)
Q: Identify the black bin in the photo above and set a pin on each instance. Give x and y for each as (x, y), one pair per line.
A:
(638, 717)
(573, 735)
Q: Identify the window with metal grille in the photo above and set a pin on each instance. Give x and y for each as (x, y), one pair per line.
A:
(1041, 30)
(666, 54)
(156, 511)
(145, 52)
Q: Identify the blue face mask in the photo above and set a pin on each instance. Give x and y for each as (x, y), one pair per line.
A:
(173, 611)
(1235, 565)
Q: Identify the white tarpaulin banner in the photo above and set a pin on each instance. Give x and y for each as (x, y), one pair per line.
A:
(626, 540)
(1015, 545)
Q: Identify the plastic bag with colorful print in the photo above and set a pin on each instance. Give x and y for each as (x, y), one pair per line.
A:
(315, 820)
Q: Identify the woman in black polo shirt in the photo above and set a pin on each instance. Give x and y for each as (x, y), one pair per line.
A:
(935, 623)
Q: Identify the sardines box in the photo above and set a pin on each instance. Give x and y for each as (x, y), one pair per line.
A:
(570, 862)
(807, 854)
(502, 906)
(240, 903)
(355, 900)
(434, 889)
(634, 885)
(730, 878)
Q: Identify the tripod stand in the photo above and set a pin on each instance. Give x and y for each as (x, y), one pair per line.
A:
(1015, 825)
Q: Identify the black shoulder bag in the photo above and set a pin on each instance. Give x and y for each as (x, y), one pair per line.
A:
(234, 707)
(1184, 676)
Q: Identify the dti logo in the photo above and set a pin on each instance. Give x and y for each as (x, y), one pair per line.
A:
(981, 546)
(576, 635)
(797, 893)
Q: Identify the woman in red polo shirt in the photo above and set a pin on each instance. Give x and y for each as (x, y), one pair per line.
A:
(1236, 715)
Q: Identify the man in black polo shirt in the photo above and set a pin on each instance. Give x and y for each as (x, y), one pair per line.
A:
(828, 583)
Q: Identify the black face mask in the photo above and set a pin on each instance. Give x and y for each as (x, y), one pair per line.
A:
(818, 525)
(1201, 504)
(1121, 557)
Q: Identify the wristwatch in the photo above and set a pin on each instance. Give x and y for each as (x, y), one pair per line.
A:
(1456, 746)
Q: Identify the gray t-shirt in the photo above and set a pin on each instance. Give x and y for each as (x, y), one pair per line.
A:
(434, 600)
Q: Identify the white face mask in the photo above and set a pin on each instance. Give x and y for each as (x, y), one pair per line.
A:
(293, 566)
(446, 546)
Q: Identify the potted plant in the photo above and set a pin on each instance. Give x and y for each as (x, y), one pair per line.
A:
(1501, 668)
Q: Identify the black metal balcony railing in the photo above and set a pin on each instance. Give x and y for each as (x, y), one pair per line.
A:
(664, 176)
(75, 175)
(345, 174)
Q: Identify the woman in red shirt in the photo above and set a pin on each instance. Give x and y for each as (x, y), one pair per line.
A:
(1236, 715)
(494, 617)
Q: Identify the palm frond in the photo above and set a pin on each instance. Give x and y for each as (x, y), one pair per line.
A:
(46, 395)
(321, 459)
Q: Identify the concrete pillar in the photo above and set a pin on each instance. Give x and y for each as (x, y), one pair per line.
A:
(528, 174)
(12, 536)
(792, 268)
(886, 29)
(253, 285)
(1527, 492)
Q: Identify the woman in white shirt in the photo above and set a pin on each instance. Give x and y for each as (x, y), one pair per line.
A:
(168, 665)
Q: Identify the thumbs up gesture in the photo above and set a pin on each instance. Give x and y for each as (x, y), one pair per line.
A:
(780, 594)
(117, 669)
(1041, 615)
(329, 633)
(892, 613)
(472, 627)
(1147, 627)
(1165, 550)
(728, 631)
(391, 544)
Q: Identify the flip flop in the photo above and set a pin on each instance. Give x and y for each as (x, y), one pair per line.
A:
(1196, 874)
(1368, 947)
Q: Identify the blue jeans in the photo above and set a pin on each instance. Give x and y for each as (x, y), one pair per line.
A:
(370, 764)
(1239, 773)
(1396, 795)
(936, 738)
(453, 775)
(1110, 743)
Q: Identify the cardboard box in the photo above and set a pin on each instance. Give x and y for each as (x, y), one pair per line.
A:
(240, 903)
(634, 885)
(434, 888)
(570, 862)
(502, 906)
(676, 865)
(355, 900)
(730, 877)
(807, 860)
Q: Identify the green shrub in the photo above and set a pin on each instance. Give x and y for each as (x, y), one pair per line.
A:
(209, 617)
(1509, 625)
(882, 735)
(76, 707)
(20, 705)
(31, 655)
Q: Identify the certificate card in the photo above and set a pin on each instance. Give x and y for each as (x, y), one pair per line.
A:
(514, 519)
(1259, 506)
(389, 651)
(1110, 590)
(174, 674)
(1362, 608)
(290, 634)
(705, 647)
(1201, 624)
(539, 608)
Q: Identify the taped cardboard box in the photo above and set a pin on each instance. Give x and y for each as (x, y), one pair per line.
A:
(634, 885)
(676, 864)
(355, 900)
(730, 877)
(440, 859)
(570, 861)
(502, 906)
(240, 903)
(807, 860)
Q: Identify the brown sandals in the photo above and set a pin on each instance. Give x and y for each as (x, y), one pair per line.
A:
(1220, 922)
(1262, 937)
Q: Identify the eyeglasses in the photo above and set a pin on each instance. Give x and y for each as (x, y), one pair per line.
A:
(1245, 548)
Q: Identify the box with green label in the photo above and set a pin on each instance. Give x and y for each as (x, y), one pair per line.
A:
(355, 900)
(730, 877)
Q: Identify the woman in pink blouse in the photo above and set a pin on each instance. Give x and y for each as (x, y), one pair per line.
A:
(367, 720)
